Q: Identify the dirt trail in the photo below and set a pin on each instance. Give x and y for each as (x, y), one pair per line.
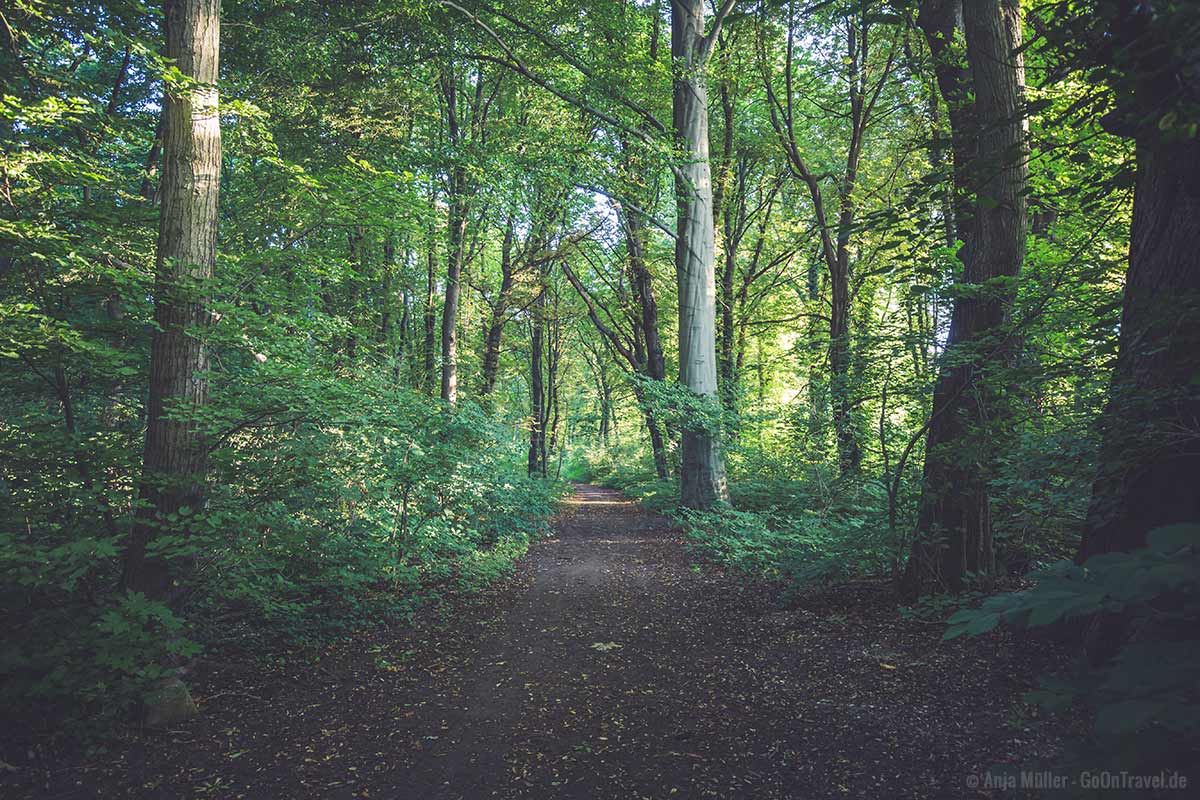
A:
(610, 666)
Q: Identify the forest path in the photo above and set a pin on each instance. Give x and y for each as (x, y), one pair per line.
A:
(609, 666)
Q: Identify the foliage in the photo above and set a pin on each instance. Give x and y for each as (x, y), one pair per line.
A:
(1146, 711)
(339, 493)
(797, 539)
(362, 141)
(310, 531)
(629, 469)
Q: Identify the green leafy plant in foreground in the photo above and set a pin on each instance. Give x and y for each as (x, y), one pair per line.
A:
(1145, 698)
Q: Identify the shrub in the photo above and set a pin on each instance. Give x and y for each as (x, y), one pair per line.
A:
(364, 503)
(1144, 700)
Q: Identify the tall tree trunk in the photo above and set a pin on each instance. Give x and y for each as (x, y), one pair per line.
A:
(954, 534)
(604, 392)
(840, 354)
(385, 289)
(1149, 464)
(633, 352)
(455, 256)
(702, 468)
(428, 342)
(537, 390)
(358, 266)
(1149, 461)
(1149, 473)
(499, 317)
(727, 358)
(550, 416)
(175, 458)
(456, 242)
(863, 94)
(940, 21)
(848, 450)
(402, 347)
(727, 367)
(655, 366)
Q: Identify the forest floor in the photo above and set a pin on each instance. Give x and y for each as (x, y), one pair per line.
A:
(613, 664)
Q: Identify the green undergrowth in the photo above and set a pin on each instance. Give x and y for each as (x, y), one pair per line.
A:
(1138, 686)
(799, 522)
(368, 504)
(794, 531)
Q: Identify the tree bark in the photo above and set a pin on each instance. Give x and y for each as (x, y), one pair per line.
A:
(455, 257)
(835, 249)
(385, 290)
(358, 264)
(606, 404)
(1149, 464)
(954, 534)
(702, 468)
(730, 239)
(1149, 474)
(537, 390)
(643, 285)
(634, 353)
(175, 457)
(550, 416)
(840, 379)
(499, 317)
(940, 20)
(456, 241)
(655, 366)
(428, 342)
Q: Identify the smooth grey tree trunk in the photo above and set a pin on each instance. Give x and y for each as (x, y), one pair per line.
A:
(702, 467)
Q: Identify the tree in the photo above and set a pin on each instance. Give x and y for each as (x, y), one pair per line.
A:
(939, 22)
(1149, 464)
(865, 82)
(176, 453)
(702, 467)
(465, 132)
(635, 345)
(954, 534)
(457, 199)
(745, 199)
(494, 331)
(644, 321)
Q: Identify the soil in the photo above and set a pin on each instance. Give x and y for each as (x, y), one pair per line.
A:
(613, 664)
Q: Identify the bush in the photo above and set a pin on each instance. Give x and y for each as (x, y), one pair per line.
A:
(366, 503)
(1144, 700)
(841, 537)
